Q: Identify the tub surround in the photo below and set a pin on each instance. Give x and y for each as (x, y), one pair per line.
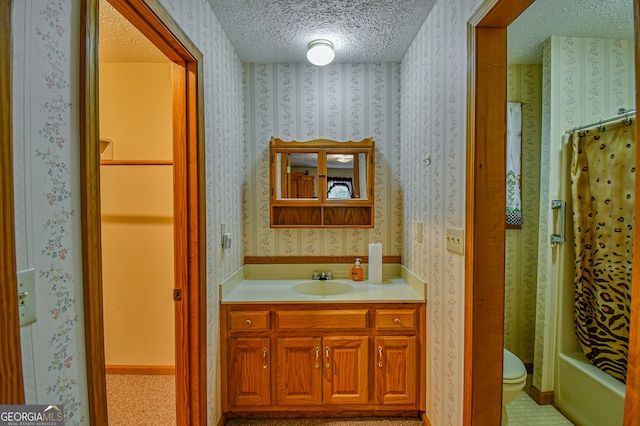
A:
(273, 283)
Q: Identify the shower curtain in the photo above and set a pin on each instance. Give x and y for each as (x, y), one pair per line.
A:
(602, 187)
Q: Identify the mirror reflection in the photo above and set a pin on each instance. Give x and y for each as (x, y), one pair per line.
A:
(299, 175)
(346, 176)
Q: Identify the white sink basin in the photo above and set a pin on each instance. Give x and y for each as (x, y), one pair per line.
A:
(322, 288)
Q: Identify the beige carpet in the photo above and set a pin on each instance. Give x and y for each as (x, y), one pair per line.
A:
(141, 400)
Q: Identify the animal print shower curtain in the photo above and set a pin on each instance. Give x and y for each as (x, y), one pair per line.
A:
(602, 187)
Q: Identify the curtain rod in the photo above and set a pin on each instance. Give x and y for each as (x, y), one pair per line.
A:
(622, 114)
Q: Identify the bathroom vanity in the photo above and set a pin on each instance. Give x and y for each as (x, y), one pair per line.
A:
(359, 352)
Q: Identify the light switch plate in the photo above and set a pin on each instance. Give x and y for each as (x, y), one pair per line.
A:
(455, 240)
(27, 296)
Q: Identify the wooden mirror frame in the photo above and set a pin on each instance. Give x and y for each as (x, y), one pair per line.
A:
(320, 211)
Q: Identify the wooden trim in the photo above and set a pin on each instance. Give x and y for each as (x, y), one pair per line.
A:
(504, 13)
(486, 233)
(11, 385)
(149, 17)
(157, 370)
(315, 144)
(280, 260)
(223, 420)
(632, 398)
(542, 398)
(90, 214)
(136, 162)
(425, 419)
(485, 224)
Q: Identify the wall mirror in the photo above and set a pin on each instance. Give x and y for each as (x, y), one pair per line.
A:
(322, 183)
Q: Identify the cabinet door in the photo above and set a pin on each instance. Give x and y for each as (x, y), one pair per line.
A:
(298, 373)
(345, 370)
(396, 370)
(249, 371)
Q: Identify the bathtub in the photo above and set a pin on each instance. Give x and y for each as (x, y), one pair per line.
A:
(587, 395)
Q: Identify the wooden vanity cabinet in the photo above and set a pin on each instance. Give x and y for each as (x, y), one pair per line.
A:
(322, 358)
(249, 372)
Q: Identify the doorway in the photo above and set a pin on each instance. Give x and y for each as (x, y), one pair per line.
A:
(188, 206)
(136, 203)
(485, 190)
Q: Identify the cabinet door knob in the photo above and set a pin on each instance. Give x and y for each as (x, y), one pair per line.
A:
(379, 356)
(248, 323)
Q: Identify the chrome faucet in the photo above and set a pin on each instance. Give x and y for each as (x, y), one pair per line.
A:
(322, 276)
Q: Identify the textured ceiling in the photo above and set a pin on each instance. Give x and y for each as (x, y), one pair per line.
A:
(573, 18)
(120, 41)
(364, 30)
(361, 30)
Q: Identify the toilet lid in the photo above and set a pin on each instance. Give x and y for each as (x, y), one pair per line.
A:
(512, 368)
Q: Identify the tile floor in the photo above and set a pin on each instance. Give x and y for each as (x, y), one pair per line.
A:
(524, 411)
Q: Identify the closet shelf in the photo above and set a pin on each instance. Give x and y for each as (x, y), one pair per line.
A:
(136, 162)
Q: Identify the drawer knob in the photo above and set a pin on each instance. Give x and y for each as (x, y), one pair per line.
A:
(396, 321)
(248, 323)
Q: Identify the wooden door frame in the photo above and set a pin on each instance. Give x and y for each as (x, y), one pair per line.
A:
(485, 237)
(11, 384)
(632, 398)
(189, 206)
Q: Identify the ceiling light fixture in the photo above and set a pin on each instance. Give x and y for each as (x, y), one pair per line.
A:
(320, 52)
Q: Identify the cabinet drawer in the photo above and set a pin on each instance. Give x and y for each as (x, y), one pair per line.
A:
(395, 319)
(249, 320)
(322, 319)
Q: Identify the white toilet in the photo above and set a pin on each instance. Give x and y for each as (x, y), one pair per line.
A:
(514, 377)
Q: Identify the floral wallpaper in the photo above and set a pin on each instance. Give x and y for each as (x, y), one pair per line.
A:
(524, 84)
(434, 94)
(341, 102)
(590, 79)
(47, 199)
(47, 206)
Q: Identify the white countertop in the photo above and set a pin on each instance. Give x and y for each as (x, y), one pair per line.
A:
(281, 291)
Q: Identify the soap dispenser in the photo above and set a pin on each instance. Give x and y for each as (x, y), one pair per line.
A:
(357, 273)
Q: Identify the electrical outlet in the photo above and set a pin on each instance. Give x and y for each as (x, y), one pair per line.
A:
(27, 296)
(455, 240)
